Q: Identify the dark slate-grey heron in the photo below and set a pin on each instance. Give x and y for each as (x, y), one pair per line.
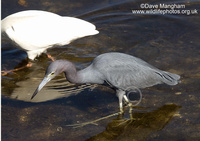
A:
(121, 71)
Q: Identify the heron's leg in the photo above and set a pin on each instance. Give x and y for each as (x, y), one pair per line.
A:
(126, 99)
(130, 107)
(120, 95)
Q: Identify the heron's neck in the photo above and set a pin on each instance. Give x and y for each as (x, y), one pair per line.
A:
(87, 75)
(71, 73)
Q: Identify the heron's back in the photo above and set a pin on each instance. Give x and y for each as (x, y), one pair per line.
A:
(125, 71)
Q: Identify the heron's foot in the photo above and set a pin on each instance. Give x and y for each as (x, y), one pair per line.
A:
(94, 122)
(130, 105)
(3, 73)
(50, 57)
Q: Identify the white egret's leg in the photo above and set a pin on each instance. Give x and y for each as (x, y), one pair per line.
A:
(3, 73)
(50, 57)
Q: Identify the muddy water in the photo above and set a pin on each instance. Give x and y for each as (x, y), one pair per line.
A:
(169, 42)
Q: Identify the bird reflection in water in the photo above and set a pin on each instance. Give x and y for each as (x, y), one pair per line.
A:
(140, 128)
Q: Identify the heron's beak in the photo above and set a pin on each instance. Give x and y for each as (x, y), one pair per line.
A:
(42, 84)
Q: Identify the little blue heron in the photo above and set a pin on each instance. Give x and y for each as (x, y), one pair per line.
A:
(35, 31)
(121, 71)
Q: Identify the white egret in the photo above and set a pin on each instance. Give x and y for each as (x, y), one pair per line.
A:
(35, 31)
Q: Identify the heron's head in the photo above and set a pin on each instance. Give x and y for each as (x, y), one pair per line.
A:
(53, 70)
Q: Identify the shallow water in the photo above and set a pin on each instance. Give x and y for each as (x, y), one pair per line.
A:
(169, 42)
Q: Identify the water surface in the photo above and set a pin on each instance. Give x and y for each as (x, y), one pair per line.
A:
(169, 42)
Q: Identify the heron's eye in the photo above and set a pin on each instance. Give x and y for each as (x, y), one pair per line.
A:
(52, 73)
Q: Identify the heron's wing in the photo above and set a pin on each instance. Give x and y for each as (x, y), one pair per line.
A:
(125, 71)
(132, 76)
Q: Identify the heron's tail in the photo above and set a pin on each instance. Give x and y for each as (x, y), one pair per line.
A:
(170, 78)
